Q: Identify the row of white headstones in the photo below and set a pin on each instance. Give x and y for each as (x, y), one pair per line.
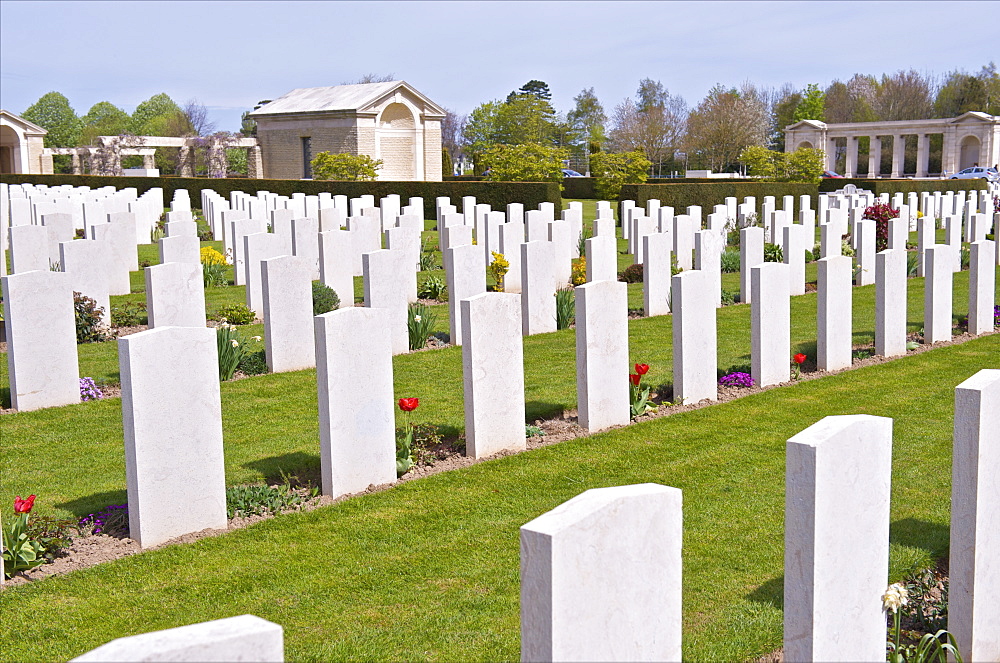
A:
(601, 575)
(278, 267)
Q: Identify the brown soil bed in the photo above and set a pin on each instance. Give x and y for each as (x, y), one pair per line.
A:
(89, 550)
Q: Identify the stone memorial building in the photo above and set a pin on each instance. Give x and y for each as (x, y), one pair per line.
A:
(971, 138)
(390, 121)
(21, 146)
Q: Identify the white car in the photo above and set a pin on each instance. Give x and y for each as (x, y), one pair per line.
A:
(977, 173)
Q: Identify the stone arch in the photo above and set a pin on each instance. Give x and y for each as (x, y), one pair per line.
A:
(11, 143)
(397, 142)
(968, 154)
(804, 144)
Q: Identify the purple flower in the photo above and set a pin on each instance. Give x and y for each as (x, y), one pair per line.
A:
(736, 380)
(89, 391)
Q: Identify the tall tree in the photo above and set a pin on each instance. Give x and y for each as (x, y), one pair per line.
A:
(653, 123)
(522, 119)
(786, 100)
(962, 92)
(197, 116)
(852, 101)
(905, 95)
(53, 113)
(452, 127)
(248, 125)
(103, 119)
(812, 106)
(159, 116)
(725, 122)
(587, 119)
(535, 88)
(371, 78)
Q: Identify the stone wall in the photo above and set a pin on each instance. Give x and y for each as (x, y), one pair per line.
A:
(281, 142)
(432, 150)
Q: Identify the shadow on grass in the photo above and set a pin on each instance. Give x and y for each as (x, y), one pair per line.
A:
(913, 533)
(299, 469)
(83, 506)
(538, 410)
(5, 397)
(771, 592)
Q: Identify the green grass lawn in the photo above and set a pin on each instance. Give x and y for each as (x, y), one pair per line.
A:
(429, 569)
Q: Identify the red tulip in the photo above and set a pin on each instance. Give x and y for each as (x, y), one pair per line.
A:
(23, 506)
(408, 404)
(799, 358)
(642, 369)
(635, 379)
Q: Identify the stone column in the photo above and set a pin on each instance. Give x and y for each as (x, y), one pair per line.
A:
(874, 156)
(831, 152)
(149, 161)
(851, 164)
(923, 154)
(77, 166)
(255, 164)
(185, 162)
(898, 145)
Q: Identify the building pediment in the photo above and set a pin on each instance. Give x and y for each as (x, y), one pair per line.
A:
(28, 128)
(811, 125)
(975, 117)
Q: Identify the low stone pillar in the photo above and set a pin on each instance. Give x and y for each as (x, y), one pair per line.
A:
(255, 163)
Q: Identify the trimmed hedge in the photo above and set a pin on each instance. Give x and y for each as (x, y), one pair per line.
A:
(495, 194)
(707, 195)
(586, 187)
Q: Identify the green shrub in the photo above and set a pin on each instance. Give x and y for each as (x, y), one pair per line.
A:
(325, 299)
(728, 297)
(90, 327)
(631, 274)
(730, 261)
(803, 165)
(565, 308)
(530, 162)
(128, 314)
(809, 256)
(259, 500)
(348, 167)
(708, 194)
(214, 275)
(612, 171)
(433, 287)
(253, 363)
(427, 262)
(773, 252)
(237, 314)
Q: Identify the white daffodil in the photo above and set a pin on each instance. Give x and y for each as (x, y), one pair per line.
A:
(235, 343)
(416, 318)
(894, 598)
(255, 338)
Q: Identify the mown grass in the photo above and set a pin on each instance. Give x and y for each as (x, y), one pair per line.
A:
(429, 569)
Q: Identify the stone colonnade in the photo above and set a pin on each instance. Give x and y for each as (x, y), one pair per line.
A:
(187, 145)
(970, 139)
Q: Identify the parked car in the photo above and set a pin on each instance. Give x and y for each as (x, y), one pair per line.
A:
(829, 175)
(977, 173)
(571, 173)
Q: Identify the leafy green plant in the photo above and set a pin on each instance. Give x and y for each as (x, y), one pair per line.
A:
(325, 298)
(260, 500)
(565, 308)
(631, 274)
(862, 353)
(427, 262)
(420, 321)
(233, 348)
(730, 261)
(214, 275)
(237, 314)
(773, 253)
(613, 170)
(912, 262)
(347, 167)
(30, 544)
(404, 437)
(253, 363)
(728, 297)
(128, 314)
(803, 165)
(932, 646)
(433, 287)
(530, 430)
(90, 327)
(964, 257)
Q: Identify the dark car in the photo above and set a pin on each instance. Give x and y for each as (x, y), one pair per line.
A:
(571, 173)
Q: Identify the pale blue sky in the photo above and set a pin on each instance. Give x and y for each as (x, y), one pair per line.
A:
(229, 55)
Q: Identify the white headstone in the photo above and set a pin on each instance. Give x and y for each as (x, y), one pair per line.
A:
(833, 314)
(656, 274)
(602, 258)
(172, 412)
(29, 249)
(601, 577)
(384, 271)
(465, 271)
(695, 337)
(602, 354)
(751, 255)
(180, 248)
(538, 303)
(837, 491)
(770, 324)
(937, 293)
(493, 373)
(335, 264)
(890, 303)
(175, 295)
(258, 247)
(982, 286)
